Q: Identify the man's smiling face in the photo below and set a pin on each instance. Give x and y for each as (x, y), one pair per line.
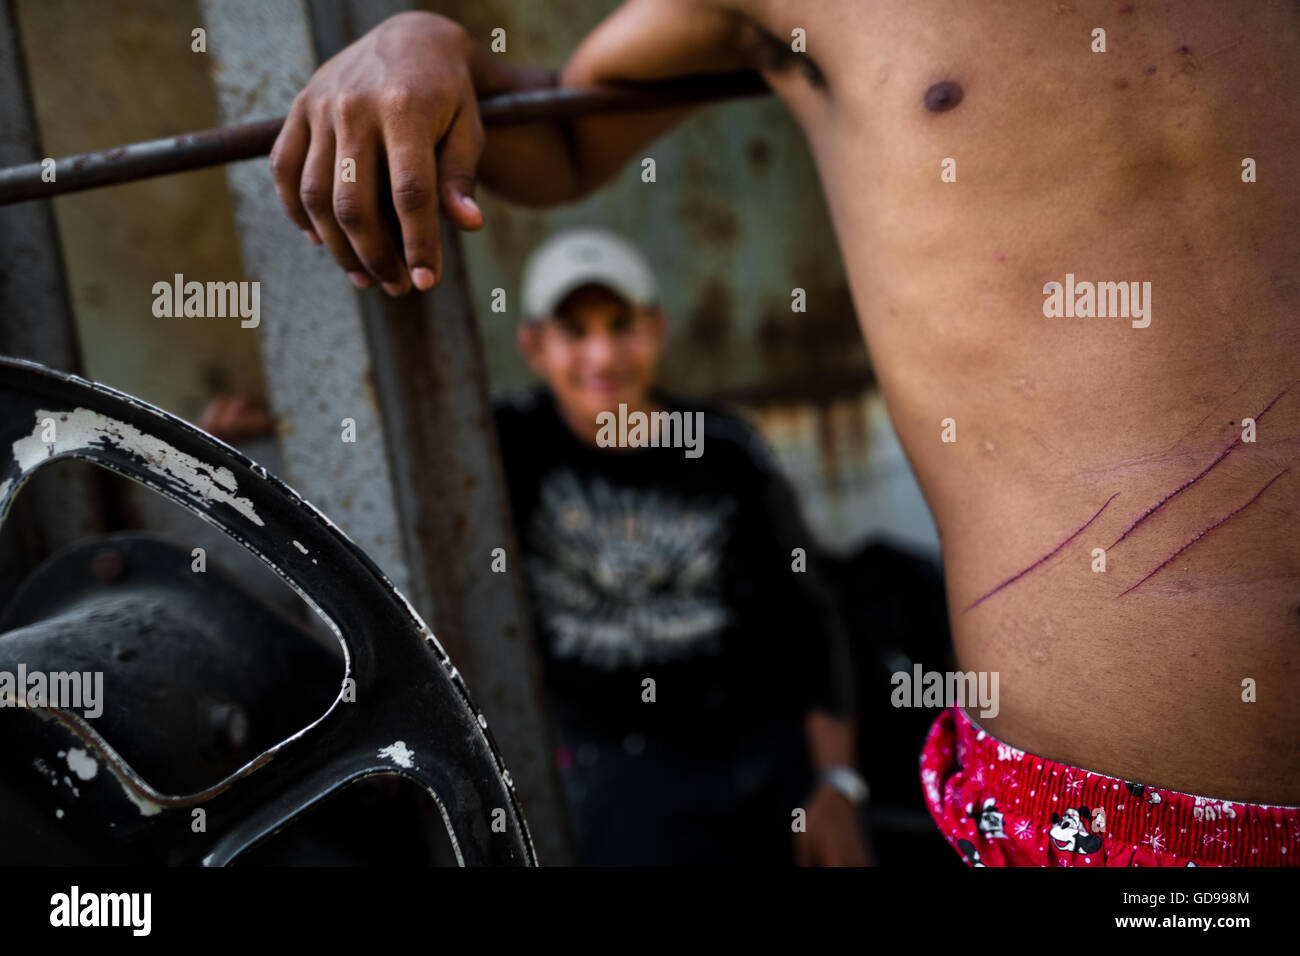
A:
(595, 352)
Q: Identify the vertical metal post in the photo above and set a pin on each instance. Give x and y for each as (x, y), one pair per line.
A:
(313, 348)
(36, 323)
(433, 476)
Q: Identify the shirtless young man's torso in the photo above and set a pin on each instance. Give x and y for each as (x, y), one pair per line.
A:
(1117, 166)
(1123, 166)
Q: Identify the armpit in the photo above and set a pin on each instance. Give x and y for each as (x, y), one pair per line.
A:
(772, 54)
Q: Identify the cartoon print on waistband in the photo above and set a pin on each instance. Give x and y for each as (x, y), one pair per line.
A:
(1070, 834)
(969, 853)
(1146, 793)
(988, 820)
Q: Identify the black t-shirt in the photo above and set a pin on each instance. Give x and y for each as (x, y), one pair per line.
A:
(644, 564)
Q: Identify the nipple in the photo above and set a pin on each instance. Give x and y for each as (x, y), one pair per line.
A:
(942, 96)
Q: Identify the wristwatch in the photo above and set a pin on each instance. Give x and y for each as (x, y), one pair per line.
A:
(848, 782)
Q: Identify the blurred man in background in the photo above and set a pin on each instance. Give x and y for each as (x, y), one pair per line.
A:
(685, 643)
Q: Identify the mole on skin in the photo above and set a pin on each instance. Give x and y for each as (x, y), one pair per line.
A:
(942, 96)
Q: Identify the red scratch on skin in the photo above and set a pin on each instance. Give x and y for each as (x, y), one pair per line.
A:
(1202, 533)
(1195, 478)
(1020, 574)
(1177, 491)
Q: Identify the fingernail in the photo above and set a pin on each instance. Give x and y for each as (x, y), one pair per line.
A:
(393, 288)
(469, 203)
(423, 278)
(361, 280)
(311, 234)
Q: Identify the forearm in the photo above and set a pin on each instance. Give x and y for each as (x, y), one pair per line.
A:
(835, 805)
(529, 163)
(832, 741)
(544, 163)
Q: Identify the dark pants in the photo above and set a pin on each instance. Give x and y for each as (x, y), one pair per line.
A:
(650, 800)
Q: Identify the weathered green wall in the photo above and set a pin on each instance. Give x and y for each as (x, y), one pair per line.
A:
(103, 74)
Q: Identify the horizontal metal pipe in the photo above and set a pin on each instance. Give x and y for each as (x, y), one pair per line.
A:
(213, 147)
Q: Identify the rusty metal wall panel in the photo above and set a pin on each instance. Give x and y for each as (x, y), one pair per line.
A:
(101, 75)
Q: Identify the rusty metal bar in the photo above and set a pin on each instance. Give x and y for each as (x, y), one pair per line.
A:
(213, 147)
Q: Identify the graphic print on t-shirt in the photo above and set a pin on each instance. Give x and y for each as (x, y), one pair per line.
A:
(622, 575)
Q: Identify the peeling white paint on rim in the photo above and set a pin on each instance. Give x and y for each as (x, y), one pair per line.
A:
(82, 764)
(399, 754)
(146, 806)
(83, 428)
(86, 767)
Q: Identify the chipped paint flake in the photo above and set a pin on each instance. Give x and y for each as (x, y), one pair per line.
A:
(146, 806)
(298, 545)
(83, 428)
(399, 754)
(82, 764)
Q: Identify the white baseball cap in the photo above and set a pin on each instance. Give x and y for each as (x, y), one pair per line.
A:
(578, 257)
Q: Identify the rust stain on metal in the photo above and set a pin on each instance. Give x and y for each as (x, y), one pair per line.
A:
(816, 360)
(709, 221)
(712, 317)
(826, 337)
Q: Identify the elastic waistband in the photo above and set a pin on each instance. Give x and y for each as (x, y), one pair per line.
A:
(1204, 829)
